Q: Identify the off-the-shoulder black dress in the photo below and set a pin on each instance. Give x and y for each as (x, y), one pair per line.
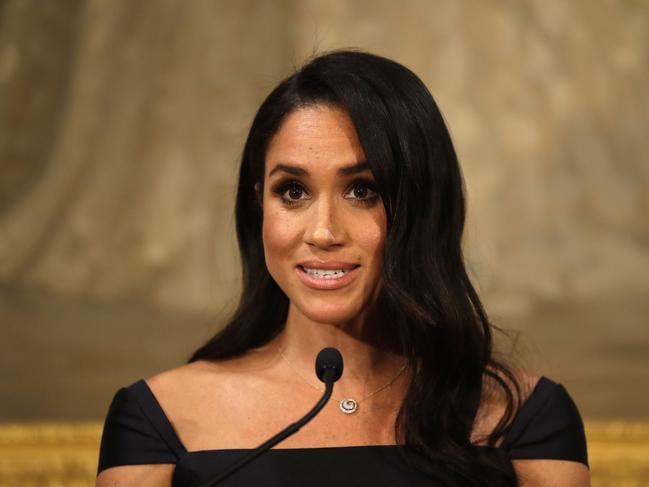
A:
(136, 431)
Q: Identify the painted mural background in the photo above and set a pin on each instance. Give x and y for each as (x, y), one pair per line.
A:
(121, 124)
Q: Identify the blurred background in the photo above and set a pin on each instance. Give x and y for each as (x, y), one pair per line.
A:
(121, 125)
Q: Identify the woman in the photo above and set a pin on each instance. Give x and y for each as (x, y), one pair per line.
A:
(349, 213)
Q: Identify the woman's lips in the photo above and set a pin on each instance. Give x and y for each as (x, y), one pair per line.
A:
(315, 282)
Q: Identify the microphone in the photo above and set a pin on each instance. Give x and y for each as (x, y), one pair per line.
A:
(329, 365)
(328, 368)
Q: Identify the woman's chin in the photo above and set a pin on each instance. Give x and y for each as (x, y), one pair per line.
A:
(330, 315)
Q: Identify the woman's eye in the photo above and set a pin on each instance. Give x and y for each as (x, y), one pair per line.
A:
(291, 192)
(294, 192)
(364, 191)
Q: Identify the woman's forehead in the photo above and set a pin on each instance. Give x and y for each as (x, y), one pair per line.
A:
(318, 138)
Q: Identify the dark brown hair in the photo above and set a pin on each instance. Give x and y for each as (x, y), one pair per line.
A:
(434, 313)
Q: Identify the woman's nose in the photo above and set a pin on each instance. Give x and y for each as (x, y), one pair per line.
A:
(323, 229)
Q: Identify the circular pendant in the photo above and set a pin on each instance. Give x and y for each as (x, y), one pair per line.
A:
(348, 406)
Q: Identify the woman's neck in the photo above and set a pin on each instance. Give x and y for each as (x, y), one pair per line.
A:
(368, 362)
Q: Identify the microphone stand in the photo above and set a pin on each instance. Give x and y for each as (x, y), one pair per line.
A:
(288, 431)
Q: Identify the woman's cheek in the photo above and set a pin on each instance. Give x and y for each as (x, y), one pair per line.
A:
(371, 236)
(279, 235)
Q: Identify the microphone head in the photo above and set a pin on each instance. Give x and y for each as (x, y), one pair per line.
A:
(329, 365)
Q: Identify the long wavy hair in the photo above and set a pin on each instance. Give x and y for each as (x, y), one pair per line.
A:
(434, 313)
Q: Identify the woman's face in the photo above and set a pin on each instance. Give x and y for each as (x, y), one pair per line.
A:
(324, 224)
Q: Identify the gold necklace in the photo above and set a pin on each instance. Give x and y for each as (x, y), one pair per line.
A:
(347, 405)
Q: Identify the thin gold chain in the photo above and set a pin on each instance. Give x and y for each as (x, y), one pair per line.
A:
(279, 350)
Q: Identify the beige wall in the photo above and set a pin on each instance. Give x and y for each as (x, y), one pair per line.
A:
(120, 127)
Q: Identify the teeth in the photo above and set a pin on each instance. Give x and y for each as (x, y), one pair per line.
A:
(326, 273)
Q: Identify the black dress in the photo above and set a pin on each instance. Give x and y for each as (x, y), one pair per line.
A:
(136, 431)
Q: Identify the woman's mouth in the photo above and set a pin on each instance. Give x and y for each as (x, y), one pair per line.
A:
(327, 273)
(327, 279)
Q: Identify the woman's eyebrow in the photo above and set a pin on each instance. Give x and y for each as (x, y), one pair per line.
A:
(295, 170)
(360, 166)
(343, 171)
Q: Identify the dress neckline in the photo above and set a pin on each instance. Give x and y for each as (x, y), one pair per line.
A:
(170, 435)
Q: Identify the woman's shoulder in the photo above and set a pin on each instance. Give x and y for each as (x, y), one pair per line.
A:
(136, 432)
(181, 381)
(545, 424)
(548, 426)
(495, 399)
(184, 387)
(182, 376)
(148, 420)
(519, 381)
(547, 440)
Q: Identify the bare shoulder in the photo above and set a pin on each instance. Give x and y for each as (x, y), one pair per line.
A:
(181, 381)
(136, 476)
(187, 374)
(524, 385)
(197, 399)
(546, 472)
(179, 388)
(551, 473)
(494, 399)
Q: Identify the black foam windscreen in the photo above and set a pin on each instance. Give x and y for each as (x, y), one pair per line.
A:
(329, 359)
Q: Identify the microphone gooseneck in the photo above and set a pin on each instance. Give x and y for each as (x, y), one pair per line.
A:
(328, 368)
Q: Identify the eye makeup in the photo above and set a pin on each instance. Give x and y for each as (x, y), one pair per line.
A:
(284, 188)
